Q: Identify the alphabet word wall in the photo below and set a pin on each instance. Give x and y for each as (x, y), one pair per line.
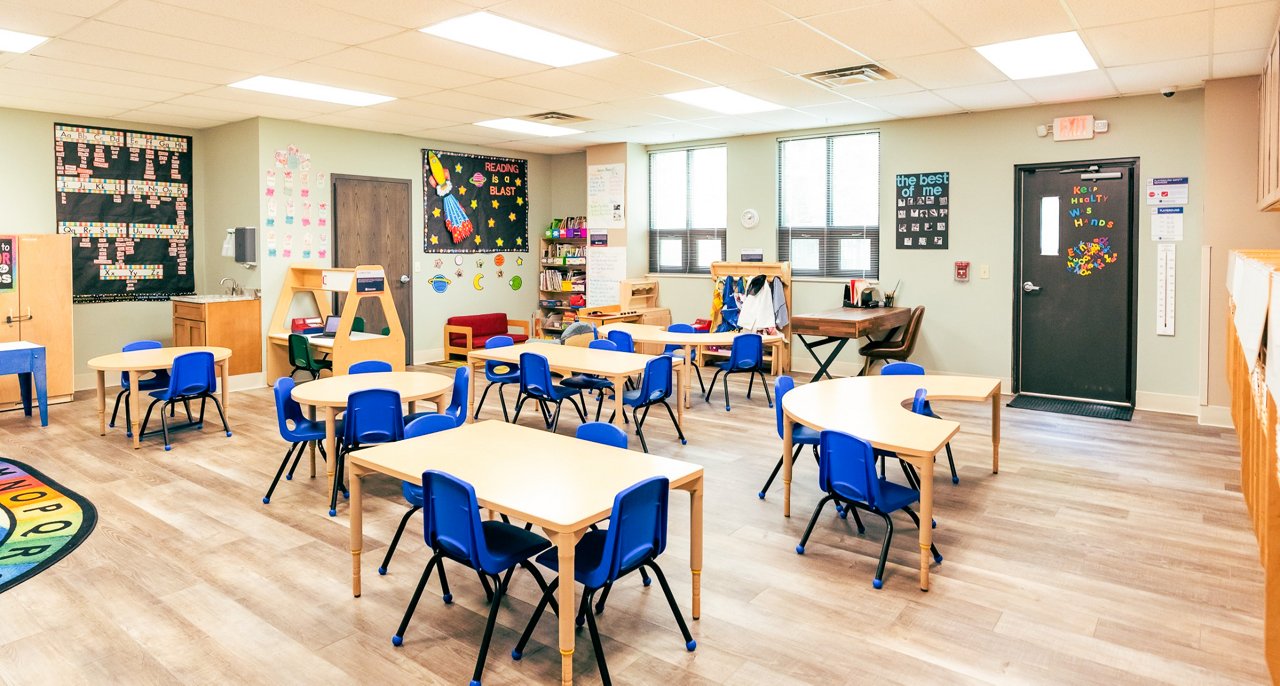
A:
(125, 196)
(923, 211)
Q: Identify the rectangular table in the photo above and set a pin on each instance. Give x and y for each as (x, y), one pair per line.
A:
(319, 342)
(838, 326)
(27, 360)
(569, 359)
(558, 483)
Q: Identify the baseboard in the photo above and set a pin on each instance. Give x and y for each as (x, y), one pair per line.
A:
(1168, 403)
(1216, 415)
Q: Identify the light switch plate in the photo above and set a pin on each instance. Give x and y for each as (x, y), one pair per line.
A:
(984, 271)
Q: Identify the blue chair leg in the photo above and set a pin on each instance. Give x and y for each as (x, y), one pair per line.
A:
(395, 540)
(547, 596)
(398, 639)
(951, 459)
(689, 643)
(808, 530)
(480, 404)
(878, 582)
(937, 556)
(596, 645)
(500, 591)
(764, 383)
(217, 405)
(283, 463)
(116, 411)
(679, 432)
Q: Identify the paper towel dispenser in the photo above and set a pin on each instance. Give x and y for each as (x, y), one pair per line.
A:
(246, 239)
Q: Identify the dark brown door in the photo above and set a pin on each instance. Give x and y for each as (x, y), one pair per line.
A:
(372, 225)
(1074, 288)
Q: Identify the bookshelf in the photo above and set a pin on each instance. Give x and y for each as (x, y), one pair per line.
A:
(562, 281)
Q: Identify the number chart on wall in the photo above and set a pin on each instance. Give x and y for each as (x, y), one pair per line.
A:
(923, 211)
(474, 203)
(125, 197)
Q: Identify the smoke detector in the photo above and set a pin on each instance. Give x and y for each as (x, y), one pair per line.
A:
(851, 76)
(556, 118)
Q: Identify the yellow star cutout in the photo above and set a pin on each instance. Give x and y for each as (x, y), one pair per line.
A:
(457, 168)
(512, 216)
(491, 222)
(499, 242)
(436, 213)
(517, 181)
(519, 201)
(520, 241)
(495, 204)
(462, 190)
(435, 240)
(473, 204)
(477, 239)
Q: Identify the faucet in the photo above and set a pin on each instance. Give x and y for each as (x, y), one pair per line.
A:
(234, 288)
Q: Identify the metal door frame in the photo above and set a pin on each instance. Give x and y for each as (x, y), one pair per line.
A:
(1131, 365)
(333, 243)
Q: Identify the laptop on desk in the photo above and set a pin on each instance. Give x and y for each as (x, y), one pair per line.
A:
(330, 327)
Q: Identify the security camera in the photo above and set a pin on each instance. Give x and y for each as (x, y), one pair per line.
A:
(1167, 91)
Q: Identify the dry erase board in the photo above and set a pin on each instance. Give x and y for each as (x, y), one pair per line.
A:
(923, 211)
(125, 198)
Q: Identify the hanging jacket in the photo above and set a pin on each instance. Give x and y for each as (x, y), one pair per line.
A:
(729, 308)
(757, 307)
(717, 302)
(781, 316)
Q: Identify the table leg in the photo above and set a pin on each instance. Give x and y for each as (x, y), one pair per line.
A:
(568, 608)
(40, 380)
(925, 467)
(223, 376)
(619, 384)
(135, 418)
(413, 406)
(102, 403)
(787, 428)
(357, 526)
(688, 385)
(682, 391)
(442, 402)
(330, 443)
(471, 394)
(695, 543)
(996, 401)
(311, 414)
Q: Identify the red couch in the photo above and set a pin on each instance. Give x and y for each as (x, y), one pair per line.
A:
(466, 333)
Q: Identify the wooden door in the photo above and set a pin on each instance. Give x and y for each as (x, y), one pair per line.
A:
(372, 224)
(1074, 289)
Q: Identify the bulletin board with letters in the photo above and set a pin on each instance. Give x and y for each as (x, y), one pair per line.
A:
(923, 211)
(474, 203)
(125, 198)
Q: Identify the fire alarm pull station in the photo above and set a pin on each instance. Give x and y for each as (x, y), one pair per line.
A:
(962, 271)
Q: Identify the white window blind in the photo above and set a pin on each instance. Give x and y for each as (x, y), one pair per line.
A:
(829, 205)
(687, 209)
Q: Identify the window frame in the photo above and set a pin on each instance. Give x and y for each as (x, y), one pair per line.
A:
(830, 235)
(689, 234)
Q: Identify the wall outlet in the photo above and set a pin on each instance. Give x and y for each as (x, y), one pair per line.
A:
(984, 271)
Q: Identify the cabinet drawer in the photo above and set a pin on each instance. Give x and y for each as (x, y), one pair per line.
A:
(188, 311)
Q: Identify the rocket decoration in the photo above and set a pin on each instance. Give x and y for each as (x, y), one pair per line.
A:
(454, 218)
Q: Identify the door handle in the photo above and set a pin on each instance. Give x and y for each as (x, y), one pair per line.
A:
(10, 319)
(1028, 287)
(404, 278)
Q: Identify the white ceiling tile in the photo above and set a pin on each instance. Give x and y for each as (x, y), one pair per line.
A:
(709, 17)
(104, 74)
(67, 107)
(808, 8)
(545, 146)
(1102, 12)
(466, 133)
(791, 91)
(370, 62)
(1245, 27)
(791, 46)
(79, 8)
(342, 120)
(575, 84)
(981, 23)
(428, 50)
(101, 100)
(237, 100)
(172, 47)
(629, 71)
(38, 18)
(744, 125)
(1151, 40)
(672, 132)
(987, 96)
(409, 14)
(922, 104)
(1232, 3)
(1088, 85)
(430, 111)
(848, 113)
(875, 89)
(666, 107)
(149, 116)
(886, 30)
(964, 67)
(298, 17)
(597, 22)
(1231, 64)
(196, 107)
(100, 56)
(617, 114)
(488, 107)
(784, 120)
(399, 122)
(1152, 77)
(160, 18)
(341, 78)
(527, 97)
(17, 79)
(706, 60)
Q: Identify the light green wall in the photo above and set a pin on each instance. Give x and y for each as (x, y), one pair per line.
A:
(568, 187)
(968, 326)
(231, 187)
(29, 206)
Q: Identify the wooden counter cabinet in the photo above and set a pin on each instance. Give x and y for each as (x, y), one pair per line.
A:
(234, 324)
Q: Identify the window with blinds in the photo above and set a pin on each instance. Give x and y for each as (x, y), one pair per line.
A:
(687, 209)
(829, 205)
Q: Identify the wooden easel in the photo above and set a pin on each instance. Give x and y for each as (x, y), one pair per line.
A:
(781, 270)
(348, 347)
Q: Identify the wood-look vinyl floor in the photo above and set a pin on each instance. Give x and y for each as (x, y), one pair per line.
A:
(1104, 552)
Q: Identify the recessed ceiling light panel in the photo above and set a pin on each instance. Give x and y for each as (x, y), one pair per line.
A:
(1029, 58)
(310, 91)
(529, 127)
(499, 34)
(724, 100)
(16, 41)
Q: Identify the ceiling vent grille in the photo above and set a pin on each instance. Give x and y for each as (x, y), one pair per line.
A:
(556, 118)
(851, 76)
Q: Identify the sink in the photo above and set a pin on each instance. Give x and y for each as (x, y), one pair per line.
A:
(215, 298)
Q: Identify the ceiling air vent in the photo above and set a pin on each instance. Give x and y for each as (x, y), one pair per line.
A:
(851, 76)
(556, 118)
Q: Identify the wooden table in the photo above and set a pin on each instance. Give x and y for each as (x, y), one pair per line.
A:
(321, 342)
(331, 394)
(871, 408)
(139, 362)
(558, 483)
(841, 325)
(569, 359)
(27, 360)
(651, 333)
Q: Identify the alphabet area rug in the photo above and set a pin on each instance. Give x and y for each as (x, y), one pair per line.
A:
(40, 522)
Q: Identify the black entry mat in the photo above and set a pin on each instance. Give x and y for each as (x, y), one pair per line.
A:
(1031, 402)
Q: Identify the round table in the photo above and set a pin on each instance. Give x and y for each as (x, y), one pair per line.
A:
(331, 393)
(877, 410)
(138, 362)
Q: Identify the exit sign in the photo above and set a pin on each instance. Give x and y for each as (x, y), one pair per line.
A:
(1076, 128)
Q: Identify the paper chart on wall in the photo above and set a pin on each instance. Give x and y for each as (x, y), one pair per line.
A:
(606, 268)
(606, 196)
(1251, 297)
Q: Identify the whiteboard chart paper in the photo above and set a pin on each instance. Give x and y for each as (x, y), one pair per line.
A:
(606, 196)
(606, 268)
